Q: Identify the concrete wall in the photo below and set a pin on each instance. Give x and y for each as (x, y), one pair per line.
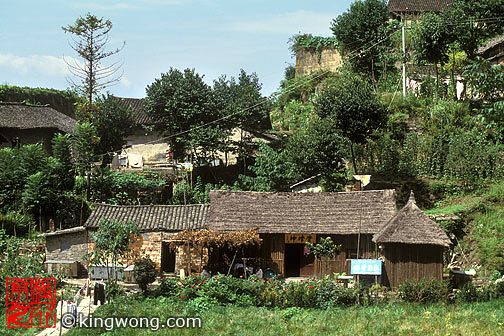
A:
(308, 62)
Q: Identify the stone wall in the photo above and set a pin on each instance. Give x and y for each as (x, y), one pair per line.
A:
(308, 62)
(71, 246)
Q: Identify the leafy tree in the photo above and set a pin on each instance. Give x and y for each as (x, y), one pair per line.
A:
(271, 171)
(113, 240)
(246, 107)
(318, 149)
(16, 165)
(431, 41)
(145, 272)
(65, 169)
(180, 101)
(324, 250)
(361, 28)
(113, 123)
(472, 22)
(125, 188)
(84, 141)
(90, 38)
(351, 104)
(242, 97)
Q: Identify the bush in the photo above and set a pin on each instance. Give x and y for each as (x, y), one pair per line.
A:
(423, 291)
(145, 272)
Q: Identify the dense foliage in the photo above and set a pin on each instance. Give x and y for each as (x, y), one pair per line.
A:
(62, 101)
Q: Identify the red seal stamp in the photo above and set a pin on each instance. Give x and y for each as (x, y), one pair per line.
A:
(31, 302)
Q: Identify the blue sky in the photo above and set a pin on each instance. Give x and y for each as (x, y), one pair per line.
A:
(214, 37)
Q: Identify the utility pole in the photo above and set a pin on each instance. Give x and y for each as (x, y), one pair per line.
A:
(404, 61)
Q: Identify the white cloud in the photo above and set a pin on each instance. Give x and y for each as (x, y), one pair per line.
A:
(288, 23)
(35, 64)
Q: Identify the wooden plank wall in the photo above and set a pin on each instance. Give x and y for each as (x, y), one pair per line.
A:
(406, 262)
(272, 252)
(341, 262)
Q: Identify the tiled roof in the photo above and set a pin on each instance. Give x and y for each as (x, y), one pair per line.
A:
(152, 217)
(287, 212)
(22, 116)
(135, 104)
(412, 226)
(419, 5)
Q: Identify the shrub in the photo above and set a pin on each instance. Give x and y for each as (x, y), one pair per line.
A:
(145, 272)
(168, 288)
(423, 291)
(499, 289)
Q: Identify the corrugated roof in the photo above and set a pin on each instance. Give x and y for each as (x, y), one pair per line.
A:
(419, 5)
(23, 116)
(412, 226)
(135, 104)
(287, 212)
(152, 217)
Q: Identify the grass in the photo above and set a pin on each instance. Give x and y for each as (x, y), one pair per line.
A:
(387, 319)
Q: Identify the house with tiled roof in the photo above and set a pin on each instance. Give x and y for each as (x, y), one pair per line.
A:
(412, 9)
(157, 223)
(23, 124)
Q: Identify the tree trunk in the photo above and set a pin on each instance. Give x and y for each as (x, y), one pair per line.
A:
(353, 158)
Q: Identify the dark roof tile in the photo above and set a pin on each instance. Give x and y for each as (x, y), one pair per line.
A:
(419, 5)
(152, 217)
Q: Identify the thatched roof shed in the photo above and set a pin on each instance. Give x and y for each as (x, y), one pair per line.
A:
(287, 212)
(152, 218)
(412, 226)
(22, 116)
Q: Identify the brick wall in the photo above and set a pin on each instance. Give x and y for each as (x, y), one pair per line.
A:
(308, 62)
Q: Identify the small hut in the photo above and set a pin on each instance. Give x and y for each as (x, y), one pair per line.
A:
(412, 246)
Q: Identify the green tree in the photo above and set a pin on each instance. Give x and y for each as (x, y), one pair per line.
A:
(360, 29)
(180, 101)
(473, 22)
(113, 240)
(65, 168)
(351, 104)
(145, 272)
(271, 171)
(16, 166)
(84, 141)
(431, 42)
(318, 149)
(113, 123)
(90, 39)
(324, 250)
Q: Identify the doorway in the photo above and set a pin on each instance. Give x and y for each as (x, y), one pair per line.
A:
(167, 258)
(298, 261)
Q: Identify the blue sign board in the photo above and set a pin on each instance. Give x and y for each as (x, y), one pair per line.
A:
(366, 266)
